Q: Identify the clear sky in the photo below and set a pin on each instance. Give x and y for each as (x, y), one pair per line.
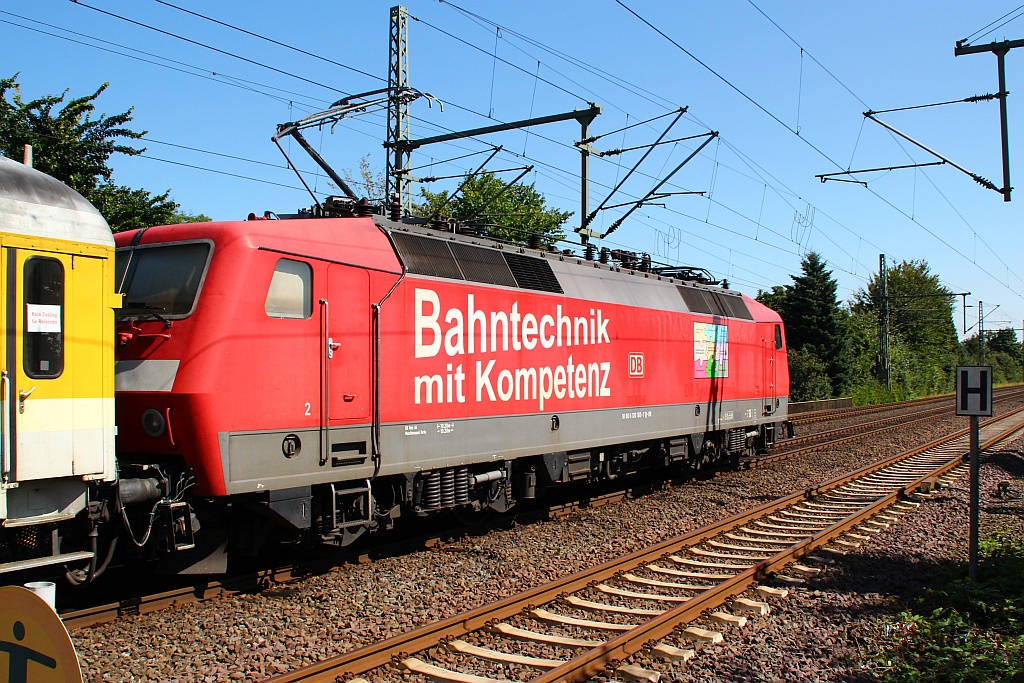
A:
(784, 83)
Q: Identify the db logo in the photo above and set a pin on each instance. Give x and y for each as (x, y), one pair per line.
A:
(636, 365)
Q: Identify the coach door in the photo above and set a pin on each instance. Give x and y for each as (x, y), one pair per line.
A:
(53, 364)
(347, 343)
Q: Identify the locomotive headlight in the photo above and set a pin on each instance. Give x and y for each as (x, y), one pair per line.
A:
(153, 423)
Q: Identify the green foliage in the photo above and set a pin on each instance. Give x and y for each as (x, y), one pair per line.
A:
(72, 146)
(816, 325)
(976, 636)
(507, 212)
(923, 345)
(185, 217)
(808, 377)
(128, 209)
(1002, 351)
(872, 392)
(774, 299)
(371, 184)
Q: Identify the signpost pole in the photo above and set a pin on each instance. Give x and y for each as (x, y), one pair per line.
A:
(975, 501)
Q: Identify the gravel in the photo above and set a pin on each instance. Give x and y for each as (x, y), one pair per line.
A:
(818, 633)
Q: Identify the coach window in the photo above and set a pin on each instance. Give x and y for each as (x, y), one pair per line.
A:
(778, 337)
(290, 294)
(44, 318)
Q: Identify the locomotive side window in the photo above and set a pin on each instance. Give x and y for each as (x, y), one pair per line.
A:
(778, 337)
(44, 318)
(290, 293)
(163, 280)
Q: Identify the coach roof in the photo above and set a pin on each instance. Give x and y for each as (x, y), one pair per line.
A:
(37, 205)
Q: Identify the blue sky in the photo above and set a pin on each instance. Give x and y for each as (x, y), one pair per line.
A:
(782, 68)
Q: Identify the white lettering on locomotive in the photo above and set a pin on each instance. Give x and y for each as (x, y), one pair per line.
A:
(475, 330)
(472, 331)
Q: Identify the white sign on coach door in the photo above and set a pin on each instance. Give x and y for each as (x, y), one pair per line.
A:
(974, 390)
(42, 318)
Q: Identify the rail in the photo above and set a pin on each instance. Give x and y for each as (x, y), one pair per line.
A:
(844, 503)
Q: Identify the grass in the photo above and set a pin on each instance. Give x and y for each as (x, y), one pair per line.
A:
(976, 635)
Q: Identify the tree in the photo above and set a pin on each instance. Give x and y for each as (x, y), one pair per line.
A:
(75, 148)
(1002, 351)
(775, 298)
(506, 212)
(920, 325)
(808, 377)
(815, 322)
(371, 183)
(185, 217)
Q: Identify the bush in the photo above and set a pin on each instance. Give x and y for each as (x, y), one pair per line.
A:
(873, 393)
(808, 377)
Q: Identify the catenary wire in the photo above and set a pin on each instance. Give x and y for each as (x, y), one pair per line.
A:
(210, 47)
(257, 62)
(983, 28)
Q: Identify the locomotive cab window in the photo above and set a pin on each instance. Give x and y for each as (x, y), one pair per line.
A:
(44, 318)
(291, 287)
(163, 280)
(778, 337)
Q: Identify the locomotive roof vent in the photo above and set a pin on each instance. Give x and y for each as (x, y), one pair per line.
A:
(460, 261)
(714, 303)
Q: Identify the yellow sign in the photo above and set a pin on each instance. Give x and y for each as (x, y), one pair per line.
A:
(34, 645)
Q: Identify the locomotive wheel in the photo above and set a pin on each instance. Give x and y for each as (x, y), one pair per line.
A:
(706, 456)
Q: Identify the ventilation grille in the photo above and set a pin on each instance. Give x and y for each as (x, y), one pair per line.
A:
(426, 256)
(533, 273)
(459, 261)
(714, 303)
(695, 301)
(482, 265)
(736, 306)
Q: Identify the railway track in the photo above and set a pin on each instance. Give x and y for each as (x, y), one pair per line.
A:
(264, 579)
(839, 413)
(641, 604)
(1003, 392)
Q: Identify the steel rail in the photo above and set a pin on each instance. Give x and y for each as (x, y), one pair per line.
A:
(1003, 392)
(860, 427)
(369, 657)
(631, 642)
(855, 432)
(104, 613)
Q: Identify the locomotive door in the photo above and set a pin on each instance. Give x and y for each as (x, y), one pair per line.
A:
(347, 343)
(771, 347)
(52, 407)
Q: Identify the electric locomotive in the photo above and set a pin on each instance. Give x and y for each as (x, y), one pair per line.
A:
(321, 375)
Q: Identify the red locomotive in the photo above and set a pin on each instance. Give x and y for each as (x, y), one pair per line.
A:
(323, 376)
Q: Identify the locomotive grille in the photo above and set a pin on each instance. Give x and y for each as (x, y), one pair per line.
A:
(736, 306)
(533, 273)
(695, 300)
(482, 265)
(713, 303)
(458, 261)
(426, 256)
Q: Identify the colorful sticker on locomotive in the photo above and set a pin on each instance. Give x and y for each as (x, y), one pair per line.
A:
(710, 350)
